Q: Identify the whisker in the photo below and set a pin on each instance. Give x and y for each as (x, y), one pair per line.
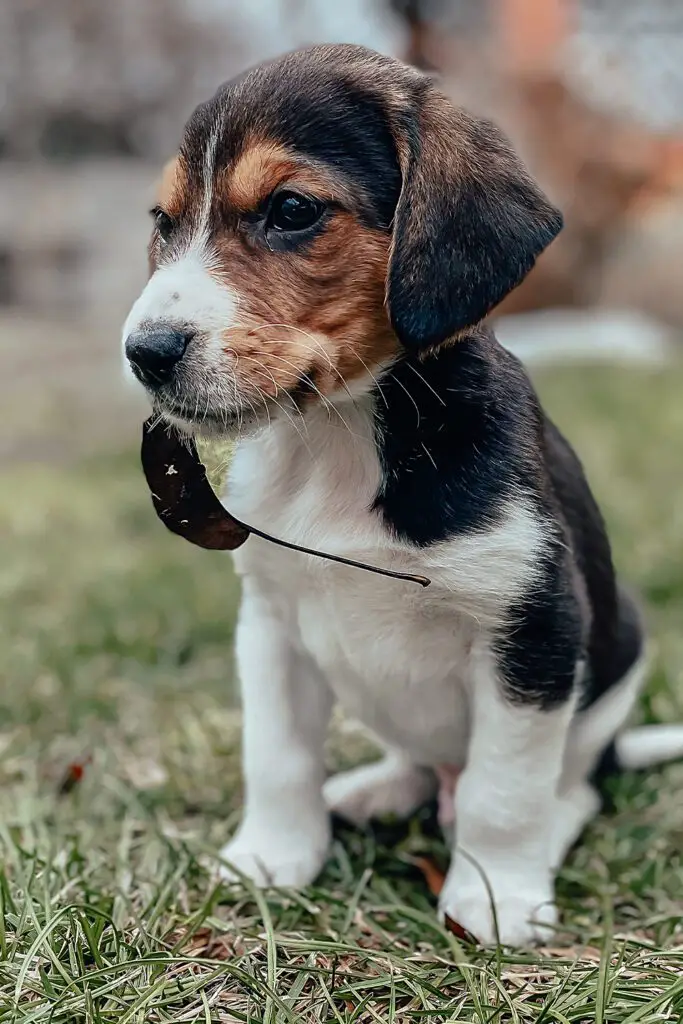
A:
(262, 395)
(265, 370)
(317, 343)
(330, 406)
(302, 376)
(293, 422)
(287, 327)
(269, 398)
(417, 409)
(429, 456)
(236, 399)
(373, 378)
(333, 368)
(426, 382)
(264, 402)
(251, 404)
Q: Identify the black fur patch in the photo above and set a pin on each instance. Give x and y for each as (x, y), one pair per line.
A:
(615, 640)
(455, 435)
(544, 639)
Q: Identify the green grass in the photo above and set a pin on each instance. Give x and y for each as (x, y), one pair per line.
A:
(115, 652)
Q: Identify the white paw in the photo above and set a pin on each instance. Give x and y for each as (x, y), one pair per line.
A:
(525, 911)
(391, 786)
(274, 859)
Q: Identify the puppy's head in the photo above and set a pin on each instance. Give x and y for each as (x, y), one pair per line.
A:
(323, 212)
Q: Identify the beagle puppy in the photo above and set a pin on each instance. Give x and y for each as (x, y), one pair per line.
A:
(326, 245)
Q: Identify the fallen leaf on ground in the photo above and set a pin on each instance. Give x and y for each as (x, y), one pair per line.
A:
(434, 876)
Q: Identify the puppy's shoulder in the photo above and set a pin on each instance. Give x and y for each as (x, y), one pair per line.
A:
(459, 436)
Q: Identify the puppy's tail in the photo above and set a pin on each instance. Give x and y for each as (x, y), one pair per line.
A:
(562, 336)
(648, 745)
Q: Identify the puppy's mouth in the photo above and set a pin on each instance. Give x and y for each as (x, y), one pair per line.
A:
(195, 412)
(202, 406)
(196, 417)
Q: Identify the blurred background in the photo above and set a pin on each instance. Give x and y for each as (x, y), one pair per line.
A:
(115, 636)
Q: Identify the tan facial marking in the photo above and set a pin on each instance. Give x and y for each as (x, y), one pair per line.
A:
(314, 318)
(172, 186)
(265, 166)
(256, 173)
(316, 321)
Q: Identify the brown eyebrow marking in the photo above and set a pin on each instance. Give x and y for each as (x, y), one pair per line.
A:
(172, 186)
(256, 173)
(266, 164)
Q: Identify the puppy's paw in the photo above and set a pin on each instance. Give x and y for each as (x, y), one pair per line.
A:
(525, 910)
(387, 787)
(291, 860)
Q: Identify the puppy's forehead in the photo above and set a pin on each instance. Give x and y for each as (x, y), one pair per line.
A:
(335, 105)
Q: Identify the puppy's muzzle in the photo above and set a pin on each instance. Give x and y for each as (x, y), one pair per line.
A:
(153, 352)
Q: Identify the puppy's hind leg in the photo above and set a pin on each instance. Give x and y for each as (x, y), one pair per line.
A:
(590, 734)
(523, 698)
(575, 809)
(391, 786)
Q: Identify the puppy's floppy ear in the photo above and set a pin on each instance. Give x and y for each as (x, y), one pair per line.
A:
(468, 227)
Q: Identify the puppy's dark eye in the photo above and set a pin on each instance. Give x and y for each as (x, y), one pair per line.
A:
(163, 223)
(293, 212)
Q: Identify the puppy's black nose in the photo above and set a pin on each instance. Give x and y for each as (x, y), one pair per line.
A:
(154, 352)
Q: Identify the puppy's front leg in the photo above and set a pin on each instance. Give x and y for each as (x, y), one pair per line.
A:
(285, 832)
(505, 803)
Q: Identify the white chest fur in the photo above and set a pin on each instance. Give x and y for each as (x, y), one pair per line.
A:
(397, 657)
